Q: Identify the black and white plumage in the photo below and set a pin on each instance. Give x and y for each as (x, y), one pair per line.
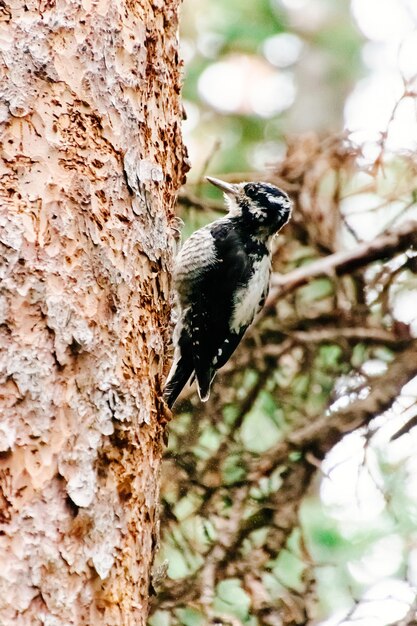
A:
(221, 279)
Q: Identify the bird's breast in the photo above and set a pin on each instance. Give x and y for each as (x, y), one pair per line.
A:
(248, 299)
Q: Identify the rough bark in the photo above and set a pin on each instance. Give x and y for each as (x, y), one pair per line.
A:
(91, 160)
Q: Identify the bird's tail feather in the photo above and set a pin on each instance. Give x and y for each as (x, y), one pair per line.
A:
(204, 380)
(178, 379)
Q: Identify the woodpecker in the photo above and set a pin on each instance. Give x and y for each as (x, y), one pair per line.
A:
(221, 279)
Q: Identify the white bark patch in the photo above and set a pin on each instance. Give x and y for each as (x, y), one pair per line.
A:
(11, 232)
(106, 537)
(69, 327)
(139, 171)
(28, 374)
(144, 178)
(149, 171)
(7, 436)
(81, 486)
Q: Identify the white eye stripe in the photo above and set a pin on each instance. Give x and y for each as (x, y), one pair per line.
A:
(284, 202)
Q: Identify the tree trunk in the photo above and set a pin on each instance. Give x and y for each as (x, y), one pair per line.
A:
(91, 160)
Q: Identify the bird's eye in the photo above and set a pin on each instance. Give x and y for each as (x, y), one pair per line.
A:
(249, 189)
(254, 192)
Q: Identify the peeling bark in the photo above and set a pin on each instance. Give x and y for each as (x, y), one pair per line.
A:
(92, 158)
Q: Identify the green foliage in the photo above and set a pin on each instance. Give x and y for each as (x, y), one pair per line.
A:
(267, 486)
(160, 618)
(208, 442)
(260, 428)
(190, 617)
(233, 470)
(197, 219)
(288, 570)
(231, 599)
(316, 290)
(235, 29)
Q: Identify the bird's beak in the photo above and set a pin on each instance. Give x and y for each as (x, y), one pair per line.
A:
(231, 190)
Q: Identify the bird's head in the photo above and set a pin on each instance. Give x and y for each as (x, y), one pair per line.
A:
(262, 206)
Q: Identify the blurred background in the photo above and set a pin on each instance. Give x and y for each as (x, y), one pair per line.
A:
(258, 72)
(290, 497)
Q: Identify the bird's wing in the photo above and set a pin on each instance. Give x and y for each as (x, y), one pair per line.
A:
(182, 365)
(207, 297)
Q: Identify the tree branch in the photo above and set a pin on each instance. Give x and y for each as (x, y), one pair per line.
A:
(345, 262)
(313, 441)
(321, 435)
